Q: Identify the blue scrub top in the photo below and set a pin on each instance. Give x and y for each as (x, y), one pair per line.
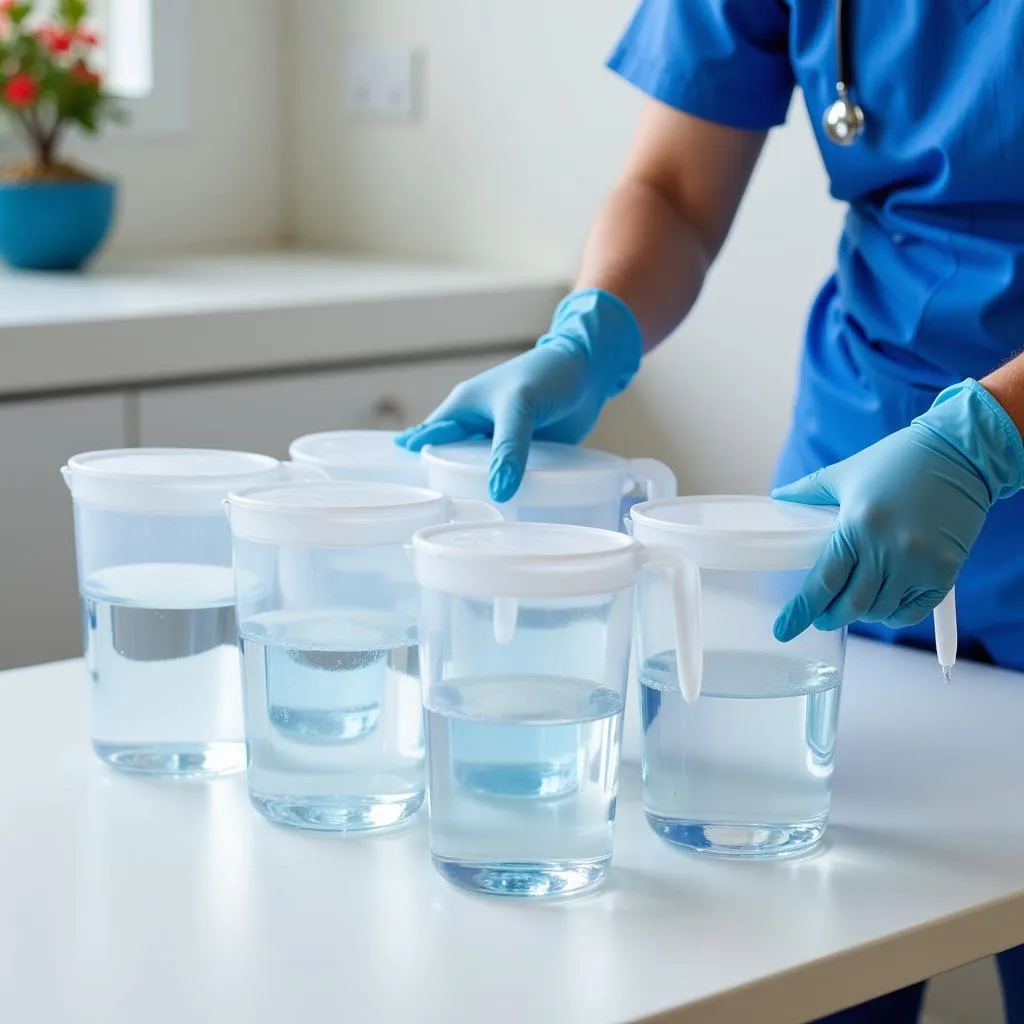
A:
(932, 258)
(929, 282)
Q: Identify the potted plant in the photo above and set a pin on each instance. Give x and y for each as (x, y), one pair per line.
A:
(53, 215)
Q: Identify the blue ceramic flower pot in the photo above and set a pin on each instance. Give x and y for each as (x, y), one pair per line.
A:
(54, 225)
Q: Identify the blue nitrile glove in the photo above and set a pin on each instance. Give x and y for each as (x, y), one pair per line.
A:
(554, 392)
(910, 507)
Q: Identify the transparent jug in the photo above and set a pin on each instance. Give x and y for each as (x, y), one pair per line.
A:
(369, 455)
(524, 652)
(746, 769)
(562, 484)
(327, 608)
(158, 618)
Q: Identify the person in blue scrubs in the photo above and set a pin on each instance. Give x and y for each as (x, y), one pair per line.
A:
(910, 403)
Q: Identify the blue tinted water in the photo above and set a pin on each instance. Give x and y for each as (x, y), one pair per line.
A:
(160, 647)
(334, 723)
(509, 761)
(512, 843)
(747, 769)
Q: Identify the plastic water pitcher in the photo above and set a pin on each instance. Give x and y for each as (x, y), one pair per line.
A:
(369, 455)
(327, 609)
(158, 617)
(525, 634)
(562, 483)
(745, 770)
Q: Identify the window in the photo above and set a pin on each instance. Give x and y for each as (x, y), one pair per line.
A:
(148, 48)
(126, 30)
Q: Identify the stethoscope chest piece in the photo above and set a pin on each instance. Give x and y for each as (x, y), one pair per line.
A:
(844, 120)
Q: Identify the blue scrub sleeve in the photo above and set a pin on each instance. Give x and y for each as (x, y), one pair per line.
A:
(725, 61)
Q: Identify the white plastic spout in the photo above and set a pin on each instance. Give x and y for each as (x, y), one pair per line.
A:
(66, 473)
(506, 617)
(946, 633)
(686, 591)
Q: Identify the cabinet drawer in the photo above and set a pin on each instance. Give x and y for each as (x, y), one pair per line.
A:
(267, 415)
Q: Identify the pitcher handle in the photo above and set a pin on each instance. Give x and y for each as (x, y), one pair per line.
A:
(654, 478)
(689, 639)
(469, 510)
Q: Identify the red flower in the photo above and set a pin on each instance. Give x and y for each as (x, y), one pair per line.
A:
(54, 38)
(22, 90)
(6, 5)
(81, 72)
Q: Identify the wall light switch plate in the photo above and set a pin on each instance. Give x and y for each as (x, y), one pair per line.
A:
(383, 82)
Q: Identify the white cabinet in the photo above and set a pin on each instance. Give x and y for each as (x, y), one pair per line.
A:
(266, 415)
(39, 614)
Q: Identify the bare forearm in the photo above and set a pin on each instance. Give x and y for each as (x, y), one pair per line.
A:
(1006, 385)
(642, 250)
(668, 216)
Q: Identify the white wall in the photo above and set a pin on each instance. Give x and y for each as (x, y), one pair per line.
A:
(219, 184)
(523, 132)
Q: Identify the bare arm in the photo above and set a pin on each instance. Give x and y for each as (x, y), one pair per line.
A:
(1006, 385)
(667, 217)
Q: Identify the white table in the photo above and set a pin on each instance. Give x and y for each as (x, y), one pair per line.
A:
(129, 901)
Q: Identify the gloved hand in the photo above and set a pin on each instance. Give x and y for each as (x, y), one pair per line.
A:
(910, 507)
(554, 392)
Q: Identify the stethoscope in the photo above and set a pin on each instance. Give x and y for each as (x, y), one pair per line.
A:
(844, 120)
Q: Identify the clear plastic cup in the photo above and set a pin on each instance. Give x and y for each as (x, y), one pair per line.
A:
(369, 455)
(327, 608)
(158, 605)
(524, 653)
(562, 483)
(746, 769)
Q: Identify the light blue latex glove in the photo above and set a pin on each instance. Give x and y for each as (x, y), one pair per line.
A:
(554, 392)
(910, 507)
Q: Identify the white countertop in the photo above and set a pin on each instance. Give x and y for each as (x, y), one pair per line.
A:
(124, 900)
(192, 317)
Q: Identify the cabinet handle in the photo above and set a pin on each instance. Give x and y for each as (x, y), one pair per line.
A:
(388, 411)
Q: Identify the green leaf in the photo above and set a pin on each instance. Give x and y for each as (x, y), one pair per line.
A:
(19, 12)
(73, 12)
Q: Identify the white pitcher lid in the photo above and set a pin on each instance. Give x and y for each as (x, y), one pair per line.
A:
(187, 481)
(524, 560)
(556, 474)
(335, 514)
(740, 532)
(360, 455)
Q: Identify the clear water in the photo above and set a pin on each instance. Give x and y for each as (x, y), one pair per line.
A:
(333, 718)
(511, 844)
(506, 760)
(747, 769)
(160, 647)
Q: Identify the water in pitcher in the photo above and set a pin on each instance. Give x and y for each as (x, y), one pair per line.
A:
(505, 842)
(747, 769)
(161, 650)
(334, 721)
